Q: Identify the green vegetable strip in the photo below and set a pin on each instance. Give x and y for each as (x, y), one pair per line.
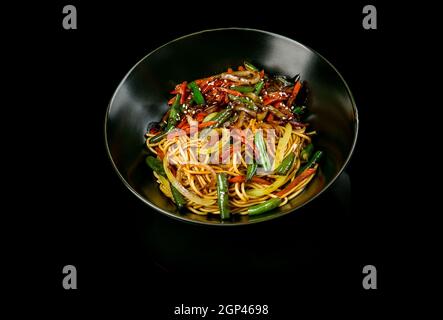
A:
(223, 196)
(249, 66)
(306, 152)
(315, 158)
(261, 147)
(210, 117)
(197, 95)
(243, 89)
(298, 110)
(221, 118)
(264, 207)
(174, 117)
(157, 166)
(286, 164)
(251, 105)
(258, 87)
(275, 111)
(179, 200)
(252, 168)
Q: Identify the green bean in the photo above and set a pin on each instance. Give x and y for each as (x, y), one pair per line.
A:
(264, 207)
(314, 159)
(179, 200)
(174, 114)
(174, 117)
(258, 87)
(210, 117)
(156, 165)
(250, 172)
(262, 115)
(223, 196)
(221, 118)
(243, 89)
(298, 110)
(286, 164)
(249, 103)
(197, 95)
(261, 147)
(284, 82)
(306, 152)
(249, 66)
(275, 111)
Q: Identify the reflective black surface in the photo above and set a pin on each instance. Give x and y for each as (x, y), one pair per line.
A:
(141, 99)
(288, 244)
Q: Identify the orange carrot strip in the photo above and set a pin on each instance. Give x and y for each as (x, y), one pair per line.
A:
(295, 91)
(237, 179)
(201, 116)
(171, 101)
(253, 179)
(182, 91)
(260, 180)
(206, 124)
(295, 182)
(160, 153)
(182, 123)
(186, 128)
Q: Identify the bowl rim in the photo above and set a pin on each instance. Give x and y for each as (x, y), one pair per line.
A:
(256, 220)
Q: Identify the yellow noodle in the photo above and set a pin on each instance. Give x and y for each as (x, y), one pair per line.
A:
(197, 174)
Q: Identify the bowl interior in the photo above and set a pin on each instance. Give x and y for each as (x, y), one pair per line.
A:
(141, 99)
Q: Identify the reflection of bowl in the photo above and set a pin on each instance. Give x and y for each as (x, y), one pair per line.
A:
(141, 98)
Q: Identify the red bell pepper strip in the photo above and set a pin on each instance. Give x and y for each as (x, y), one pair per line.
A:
(295, 91)
(182, 91)
(182, 123)
(201, 116)
(171, 101)
(253, 179)
(160, 153)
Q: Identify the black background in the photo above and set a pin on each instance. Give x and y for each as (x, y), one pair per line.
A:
(90, 220)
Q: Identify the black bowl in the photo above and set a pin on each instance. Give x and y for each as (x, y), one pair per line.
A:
(141, 97)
